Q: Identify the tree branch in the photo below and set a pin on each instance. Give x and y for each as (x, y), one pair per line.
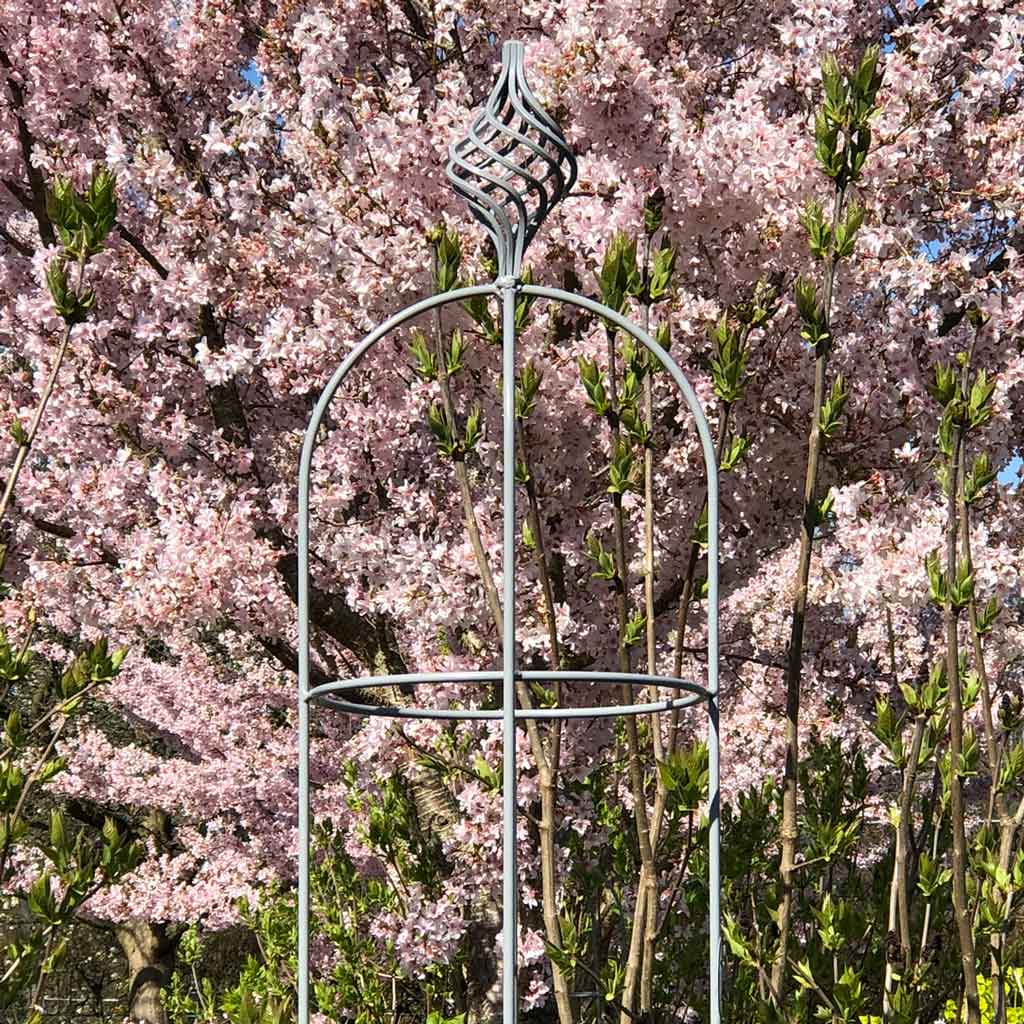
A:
(36, 204)
(139, 246)
(20, 247)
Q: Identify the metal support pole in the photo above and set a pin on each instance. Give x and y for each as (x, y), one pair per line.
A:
(714, 783)
(304, 819)
(509, 776)
(714, 867)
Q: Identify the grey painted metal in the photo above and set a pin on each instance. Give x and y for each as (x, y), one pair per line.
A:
(324, 695)
(493, 169)
(530, 675)
(509, 765)
(521, 714)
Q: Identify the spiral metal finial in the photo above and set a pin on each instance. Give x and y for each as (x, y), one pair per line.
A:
(514, 165)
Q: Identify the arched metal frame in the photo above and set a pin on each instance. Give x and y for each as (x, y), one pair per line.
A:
(511, 201)
(507, 289)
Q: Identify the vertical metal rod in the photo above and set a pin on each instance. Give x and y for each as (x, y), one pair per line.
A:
(714, 816)
(303, 596)
(510, 931)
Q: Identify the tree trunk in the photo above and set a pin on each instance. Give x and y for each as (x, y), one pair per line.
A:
(483, 979)
(437, 812)
(150, 956)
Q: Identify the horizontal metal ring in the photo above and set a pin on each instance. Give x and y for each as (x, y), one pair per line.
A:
(324, 695)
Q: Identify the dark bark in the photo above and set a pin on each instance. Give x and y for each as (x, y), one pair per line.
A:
(225, 402)
(35, 201)
(150, 954)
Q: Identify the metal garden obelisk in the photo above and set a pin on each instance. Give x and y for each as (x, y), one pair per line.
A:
(513, 167)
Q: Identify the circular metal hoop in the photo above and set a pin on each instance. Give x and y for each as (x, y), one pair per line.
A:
(323, 695)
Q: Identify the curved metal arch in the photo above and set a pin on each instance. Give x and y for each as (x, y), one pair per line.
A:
(711, 472)
(555, 295)
(506, 289)
(703, 430)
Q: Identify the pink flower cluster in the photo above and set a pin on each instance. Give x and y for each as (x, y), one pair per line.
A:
(265, 228)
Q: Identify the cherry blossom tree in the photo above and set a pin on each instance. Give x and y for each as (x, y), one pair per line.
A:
(279, 185)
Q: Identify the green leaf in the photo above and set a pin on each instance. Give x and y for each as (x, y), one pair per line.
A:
(41, 901)
(596, 552)
(83, 221)
(663, 335)
(833, 407)
(761, 307)
(52, 768)
(529, 538)
(910, 697)
(936, 578)
(944, 387)
(931, 876)
(443, 429)
(101, 199)
(846, 232)
(888, 728)
(629, 390)
(737, 944)
(946, 435)
(806, 296)
(14, 734)
(62, 209)
(819, 234)
(660, 284)
(635, 630)
(737, 450)
(729, 360)
(988, 617)
(825, 507)
(635, 358)
(700, 530)
(69, 305)
(424, 363)
(474, 429)
(826, 139)
(19, 433)
(58, 835)
(803, 975)
(524, 303)
(623, 472)
(449, 260)
(527, 385)
(1011, 768)
(979, 477)
(456, 353)
(479, 310)
(635, 426)
(654, 211)
(961, 593)
(592, 379)
(111, 833)
(12, 784)
(979, 402)
(868, 78)
(619, 277)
